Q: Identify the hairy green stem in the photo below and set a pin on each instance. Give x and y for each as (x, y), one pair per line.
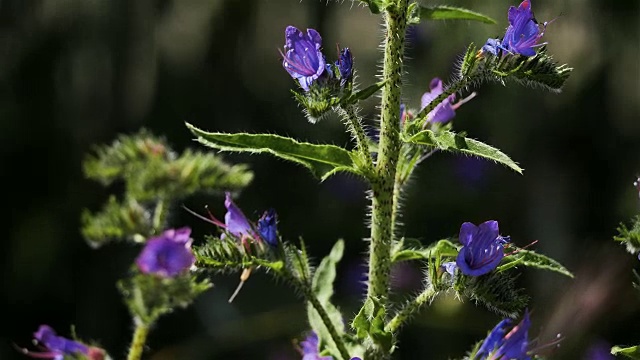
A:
(351, 118)
(313, 300)
(382, 206)
(139, 338)
(410, 309)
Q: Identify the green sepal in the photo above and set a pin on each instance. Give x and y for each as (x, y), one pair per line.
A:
(370, 322)
(496, 290)
(539, 70)
(376, 6)
(322, 160)
(532, 259)
(229, 255)
(632, 352)
(322, 288)
(415, 251)
(364, 93)
(148, 296)
(630, 237)
(444, 12)
(126, 220)
(457, 143)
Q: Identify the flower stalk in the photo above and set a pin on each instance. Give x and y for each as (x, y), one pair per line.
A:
(139, 338)
(410, 309)
(351, 118)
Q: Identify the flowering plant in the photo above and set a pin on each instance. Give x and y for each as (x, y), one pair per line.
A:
(172, 268)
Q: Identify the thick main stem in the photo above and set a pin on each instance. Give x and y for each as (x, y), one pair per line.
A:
(139, 338)
(389, 150)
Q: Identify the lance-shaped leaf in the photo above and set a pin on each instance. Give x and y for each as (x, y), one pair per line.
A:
(417, 252)
(450, 141)
(322, 160)
(322, 287)
(533, 259)
(365, 93)
(444, 12)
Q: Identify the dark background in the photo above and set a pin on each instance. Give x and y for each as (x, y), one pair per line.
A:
(77, 73)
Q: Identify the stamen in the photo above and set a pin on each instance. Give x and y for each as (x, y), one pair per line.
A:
(243, 278)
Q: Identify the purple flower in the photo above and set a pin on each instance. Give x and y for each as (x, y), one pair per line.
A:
(237, 224)
(309, 348)
(523, 32)
(449, 267)
(267, 227)
(167, 255)
(345, 66)
(507, 342)
(302, 58)
(522, 35)
(55, 347)
(444, 111)
(483, 248)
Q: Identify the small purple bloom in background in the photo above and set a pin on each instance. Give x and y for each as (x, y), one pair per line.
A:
(505, 342)
(309, 348)
(267, 227)
(471, 171)
(599, 351)
(345, 66)
(483, 248)
(167, 255)
(302, 57)
(53, 346)
(444, 111)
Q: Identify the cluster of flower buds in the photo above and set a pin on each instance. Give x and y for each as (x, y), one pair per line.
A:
(324, 83)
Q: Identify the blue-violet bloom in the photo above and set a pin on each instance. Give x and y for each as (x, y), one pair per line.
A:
(345, 66)
(302, 57)
(483, 248)
(522, 35)
(444, 111)
(167, 255)
(54, 346)
(267, 227)
(507, 342)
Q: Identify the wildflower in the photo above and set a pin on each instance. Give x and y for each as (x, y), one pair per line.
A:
(524, 31)
(483, 248)
(345, 66)
(444, 111)
(302, 58)
(55, 347)
(167, 255)
(310, 349)
(521, 36)
(505, 342)
(449, 267)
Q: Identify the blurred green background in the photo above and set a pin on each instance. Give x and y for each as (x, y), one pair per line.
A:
(77, 72)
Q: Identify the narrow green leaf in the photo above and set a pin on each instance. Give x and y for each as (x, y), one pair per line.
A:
(412, 252)
(632, 352)
(365, 93)
(532, 259)
(322, 287)
(326, 273)
(322, 160)
(450, 141)
(444, 12)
